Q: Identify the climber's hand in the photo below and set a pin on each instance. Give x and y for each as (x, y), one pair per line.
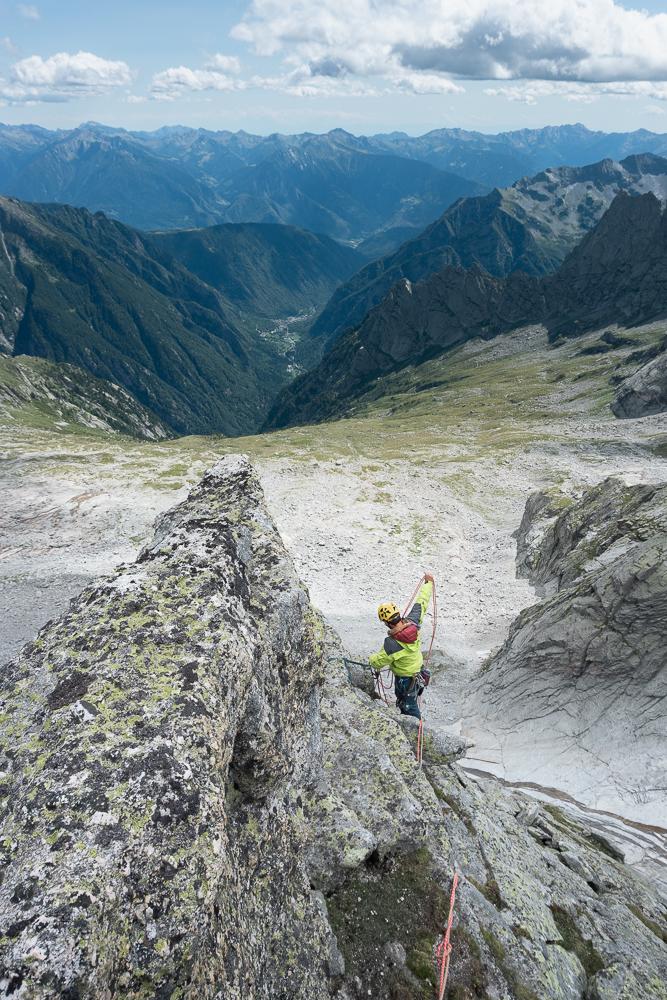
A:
(429, 577)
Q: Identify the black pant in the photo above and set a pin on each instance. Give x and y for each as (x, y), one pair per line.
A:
(407, 691)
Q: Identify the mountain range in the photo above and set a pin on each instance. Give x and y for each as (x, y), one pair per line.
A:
(616, 275)
(530, 226)
(372, 191)
(189, 323)
(330, 184)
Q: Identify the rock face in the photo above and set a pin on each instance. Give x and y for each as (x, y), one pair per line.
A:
(545, 910)
(645, 391)
(154, 743)
(581, 683)
(187, 819)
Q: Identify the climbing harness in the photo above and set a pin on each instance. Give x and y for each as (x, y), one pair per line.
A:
(444, 949)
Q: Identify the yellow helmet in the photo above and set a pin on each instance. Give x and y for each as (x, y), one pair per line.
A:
(387, 611)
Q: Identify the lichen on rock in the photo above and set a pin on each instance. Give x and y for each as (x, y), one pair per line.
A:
(154, 743)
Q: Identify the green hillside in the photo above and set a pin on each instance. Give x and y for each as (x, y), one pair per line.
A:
(83, 289)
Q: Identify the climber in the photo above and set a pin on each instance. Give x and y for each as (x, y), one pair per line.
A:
(401, 651)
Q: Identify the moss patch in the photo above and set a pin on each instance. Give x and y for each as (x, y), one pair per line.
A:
(497, 949)
(394, 900)
(467, 975)
(655, 928)
(490, 890)
(573, 940)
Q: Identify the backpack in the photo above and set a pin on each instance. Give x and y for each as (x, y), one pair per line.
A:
(406, 631)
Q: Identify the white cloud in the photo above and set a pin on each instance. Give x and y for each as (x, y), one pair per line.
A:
(225, 64)
(180, 80)
(7, 44)
(531, 91)
(29, 11)
(63, 76)
(425, 45)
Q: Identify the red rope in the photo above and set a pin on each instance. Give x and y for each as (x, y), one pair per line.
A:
(435, 625)
(420, 730)
(444, 949)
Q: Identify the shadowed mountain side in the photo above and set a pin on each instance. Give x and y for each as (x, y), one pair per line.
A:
(617, 274)
(264, 270)
(412, 323)
(84, 289)
(529, 227)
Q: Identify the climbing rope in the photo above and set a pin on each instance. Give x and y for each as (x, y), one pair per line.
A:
(380, 685)
(444, 949)
(420, 730)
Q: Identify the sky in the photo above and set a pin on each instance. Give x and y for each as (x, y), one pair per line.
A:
(312, 65)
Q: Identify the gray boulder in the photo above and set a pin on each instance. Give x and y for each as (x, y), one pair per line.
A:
(643, 392)
(560, 539)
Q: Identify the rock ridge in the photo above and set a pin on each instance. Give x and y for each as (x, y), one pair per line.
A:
(154, 742)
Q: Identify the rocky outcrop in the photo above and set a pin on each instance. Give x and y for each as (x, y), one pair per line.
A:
(155, 742)
(560, 539)
(566, 921)
(645, 391)
(581, 683)
(187, 818)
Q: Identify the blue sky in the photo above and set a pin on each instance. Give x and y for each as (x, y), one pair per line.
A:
(364, 65)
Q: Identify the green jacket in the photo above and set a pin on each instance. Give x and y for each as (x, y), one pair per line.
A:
(405, 659)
